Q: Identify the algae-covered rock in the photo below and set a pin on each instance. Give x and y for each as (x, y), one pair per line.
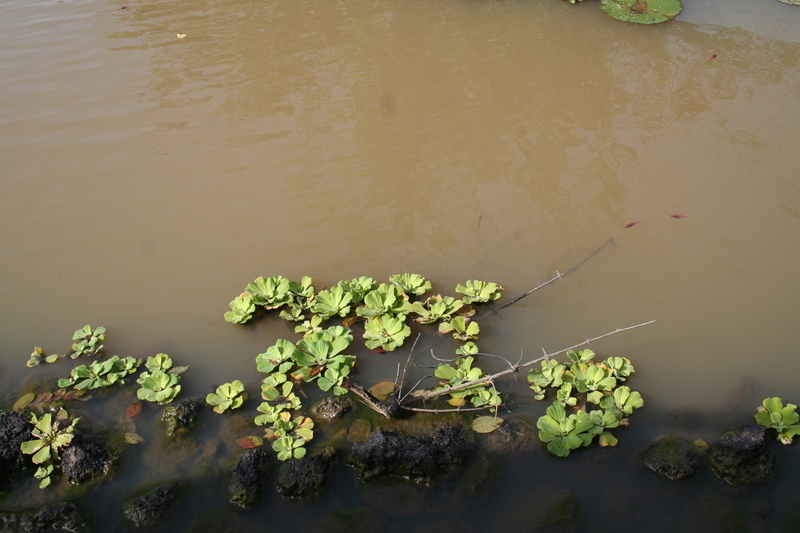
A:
(332, 408)
(181, 417)
(15, 428)
(62, 516)
(743, 455)
(672, 456)
(299, 478)
(418, 458)
(358, 520)
(248, 477)
(546, 509)
(151, 508)
(477, 480)
(718, 514)
(86, 459)
(513, 436)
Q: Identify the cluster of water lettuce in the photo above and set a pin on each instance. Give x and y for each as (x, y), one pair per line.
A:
(640, 11)
(160, 384)
(583, 384)
(320, 356)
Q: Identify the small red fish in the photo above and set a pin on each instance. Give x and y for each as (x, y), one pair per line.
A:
(679, 216)
(712, 56)
(632, 224)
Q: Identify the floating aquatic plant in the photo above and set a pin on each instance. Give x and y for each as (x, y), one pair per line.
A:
(784, 420)
(641, 11)
(227, 396)
(51, 435)
(100, 373)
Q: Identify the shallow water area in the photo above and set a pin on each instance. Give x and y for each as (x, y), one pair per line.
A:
(146, 178)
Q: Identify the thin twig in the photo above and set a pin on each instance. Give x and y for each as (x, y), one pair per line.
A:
(517, 368)
(558, 275)
(399, 385)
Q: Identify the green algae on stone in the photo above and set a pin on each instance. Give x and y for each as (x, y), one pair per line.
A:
(642, 11)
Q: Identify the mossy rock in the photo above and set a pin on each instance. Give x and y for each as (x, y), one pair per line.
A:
(671, 456)
(642, 11)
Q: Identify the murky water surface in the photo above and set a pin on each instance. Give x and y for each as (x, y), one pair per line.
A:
(145, 179)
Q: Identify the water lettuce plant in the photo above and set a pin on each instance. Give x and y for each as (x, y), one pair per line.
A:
(385, 332)
(89, 342)
(271, 292)
(577, 384)
(384, 300)
(784, 420)
(476, 291)
(435, 308)
(51, 435)
(161, 384)
(242, 309)
(100, 373)
(411, 283)
(333, 302)
(463, 329)
(358, 287)
(227, 396)
(641, 11)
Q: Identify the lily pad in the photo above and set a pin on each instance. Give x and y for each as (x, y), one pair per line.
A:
(486, 424)
(382, 390)
(134, 438)
(250, 441)
(23, 402)
(642, 11)
(358, 431)
(133, 409)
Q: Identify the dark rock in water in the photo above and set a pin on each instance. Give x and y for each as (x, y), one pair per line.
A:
(672, 456)
(85, 460)
(182, 416)
(148, 510)
(14, 430)
(418, 458)
(300, 478)
(248, 476)
(332, 408)
(63, 516)
(743, 455)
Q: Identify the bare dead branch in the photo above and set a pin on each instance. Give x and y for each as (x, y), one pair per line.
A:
(516, 368)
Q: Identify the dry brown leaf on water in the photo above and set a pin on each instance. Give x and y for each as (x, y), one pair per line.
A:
(133, 409)
(251, 441)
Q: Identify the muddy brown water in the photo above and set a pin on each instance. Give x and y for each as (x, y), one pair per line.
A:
(146, 178)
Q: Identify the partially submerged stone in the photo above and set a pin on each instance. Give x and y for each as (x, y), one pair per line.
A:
(15, 428)
(419, 458)
(86, 459)
(148, 510)
(62, 516)
(514, 436)
(477, 481)
(300, 478)
(181, 417)
(248, 477)
(332, 408)
(743, 455)
(547, 509)
(672, 456)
